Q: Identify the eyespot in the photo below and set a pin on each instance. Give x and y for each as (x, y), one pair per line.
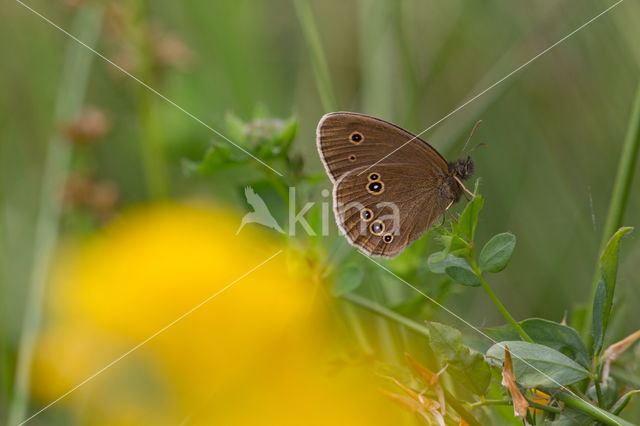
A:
(366, 214)
(356, 137)
(374, 176)
(375, 188)
(352, 158)
(376, 227)
(387, 238)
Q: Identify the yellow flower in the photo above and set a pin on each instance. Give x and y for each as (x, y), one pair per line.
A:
(258, 353)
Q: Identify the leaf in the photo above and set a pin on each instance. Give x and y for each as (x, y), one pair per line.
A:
(466, 226)
(560, 337)
(495, 255)
(288, 133)
(466, 367)
(520, 403)
(463, 274)
(236, 129)
(456, 267)
(436, 262)
(623, 401)
(606, 288)
(347, 279)
(539, 366)
(216, 158)
(570, 417)
(454, 244)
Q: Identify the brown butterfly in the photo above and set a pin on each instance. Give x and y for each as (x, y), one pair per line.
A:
(382, 206)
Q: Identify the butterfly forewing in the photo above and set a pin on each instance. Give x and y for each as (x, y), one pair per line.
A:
(348, 140)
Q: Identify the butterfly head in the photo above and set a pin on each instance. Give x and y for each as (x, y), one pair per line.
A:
(462, 168)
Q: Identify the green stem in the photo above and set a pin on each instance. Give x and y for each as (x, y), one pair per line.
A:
(318, 60)
(591, 410)
(490, 402)
(386, 312)
(460, 409)
(619, 198)
(151, 138)
(356, 327)
(496, 301)
(75, 76)
(532, 404)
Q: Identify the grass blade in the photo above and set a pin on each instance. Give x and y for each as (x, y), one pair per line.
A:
(70, 99)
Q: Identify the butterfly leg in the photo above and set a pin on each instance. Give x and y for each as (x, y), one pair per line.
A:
(464, 187)
(453, 218)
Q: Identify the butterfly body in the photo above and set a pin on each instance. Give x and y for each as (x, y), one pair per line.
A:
(385, 197)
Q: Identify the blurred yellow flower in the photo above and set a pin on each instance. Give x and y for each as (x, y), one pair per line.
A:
(259, 353)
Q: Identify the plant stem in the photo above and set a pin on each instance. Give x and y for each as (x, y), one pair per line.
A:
(386, 312)
(318, 59)
(496, 301)
(151, 143)
(619, 198)
(532, 404)
(460, 408)
(591, 410)
(490, 402)
(543, 407)
(75, 76)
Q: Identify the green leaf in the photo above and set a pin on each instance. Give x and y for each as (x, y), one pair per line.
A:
(236, 130)
(217, 158)
(539, 366)
(288, 133)
(463, 274)
(454, 244)
(436, 262)
(570, 417)
(347, 279)
(466, 226)
(466, 367)
(495, 255)
(623, 401)
(605, 291)
(560, 337)
(456, 267)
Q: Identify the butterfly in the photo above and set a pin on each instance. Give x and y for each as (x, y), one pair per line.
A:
(385, 199)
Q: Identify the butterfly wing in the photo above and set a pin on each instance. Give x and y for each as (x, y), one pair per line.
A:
(384, 224)
(348, 140)
(384, 208)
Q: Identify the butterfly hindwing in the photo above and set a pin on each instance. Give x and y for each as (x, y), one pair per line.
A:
(384, 222)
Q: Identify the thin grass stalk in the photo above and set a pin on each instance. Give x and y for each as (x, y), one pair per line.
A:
(317, 56)
(75, 77)
(5, 369)
(378, 57)
(619, 198)
(151, 144)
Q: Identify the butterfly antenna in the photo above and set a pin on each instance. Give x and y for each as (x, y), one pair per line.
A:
(473, 130)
